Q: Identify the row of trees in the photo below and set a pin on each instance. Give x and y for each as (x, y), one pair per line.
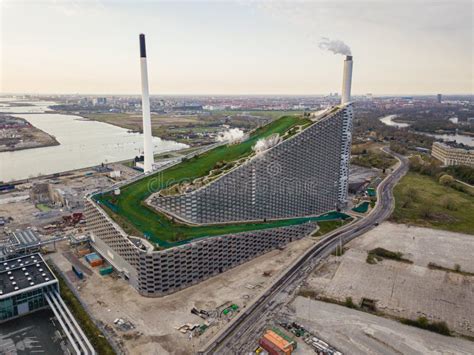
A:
(432, 167)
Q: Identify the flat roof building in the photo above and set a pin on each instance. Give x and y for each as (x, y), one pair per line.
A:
(451, 155)
(23, 284)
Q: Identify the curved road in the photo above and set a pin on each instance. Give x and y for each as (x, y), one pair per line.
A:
(249, 323)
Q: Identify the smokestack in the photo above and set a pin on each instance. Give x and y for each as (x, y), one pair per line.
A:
(147, 138)
(347, 80)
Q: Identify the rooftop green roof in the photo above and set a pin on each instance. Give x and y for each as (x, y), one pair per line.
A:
(131, 212)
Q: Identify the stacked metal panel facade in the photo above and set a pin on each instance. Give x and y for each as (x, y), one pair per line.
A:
(171, 270)
(161, 272)
(305, 175)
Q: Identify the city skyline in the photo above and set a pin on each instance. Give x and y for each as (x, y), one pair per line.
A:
(235, 48)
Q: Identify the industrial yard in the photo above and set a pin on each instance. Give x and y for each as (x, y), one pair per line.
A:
(162, 324)
(431, 277)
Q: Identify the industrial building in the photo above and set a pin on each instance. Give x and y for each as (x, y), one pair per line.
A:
(27, 284)
(24, 281)
(304, 175)
(301, 174)
(452, 155)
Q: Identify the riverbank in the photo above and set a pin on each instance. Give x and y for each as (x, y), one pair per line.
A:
(458, 136)
(18, 134)
(83, 144)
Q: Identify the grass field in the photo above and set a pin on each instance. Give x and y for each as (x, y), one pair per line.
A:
(422, 201)
(129, 210)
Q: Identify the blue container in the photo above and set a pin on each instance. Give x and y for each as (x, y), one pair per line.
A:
(92, 256)
(78, 272)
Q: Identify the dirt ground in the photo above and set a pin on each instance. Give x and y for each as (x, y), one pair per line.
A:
(156, 319)
(404, 289)
(359, 333)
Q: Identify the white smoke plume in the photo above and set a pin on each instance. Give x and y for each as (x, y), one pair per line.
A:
(231, 136)
(336, 46)
(266, 143)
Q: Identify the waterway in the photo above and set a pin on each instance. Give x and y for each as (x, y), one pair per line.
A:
(458, 138)
(83, 143)
(389, 121)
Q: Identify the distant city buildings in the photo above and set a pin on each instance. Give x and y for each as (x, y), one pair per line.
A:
(439, 98)
(99, 101)
(452, 155)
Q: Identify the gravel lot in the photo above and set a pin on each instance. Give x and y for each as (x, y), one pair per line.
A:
(403, 289)
(358, 333)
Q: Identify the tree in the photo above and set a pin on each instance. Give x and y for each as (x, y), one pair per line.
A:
(446, 180)
(449, 203)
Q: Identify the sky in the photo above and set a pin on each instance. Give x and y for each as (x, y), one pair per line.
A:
(405, 47)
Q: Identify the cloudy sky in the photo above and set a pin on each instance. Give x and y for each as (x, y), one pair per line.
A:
(235, 47)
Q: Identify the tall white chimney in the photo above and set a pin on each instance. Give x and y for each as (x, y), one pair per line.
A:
(347, 80)
(147, 137)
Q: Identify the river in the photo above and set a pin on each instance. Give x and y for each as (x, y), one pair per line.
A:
(83, 143)
(388, 120)
(458, 138)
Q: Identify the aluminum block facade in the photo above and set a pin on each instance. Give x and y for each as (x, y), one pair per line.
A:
(157, 273)
(305, 175)
(171, 270)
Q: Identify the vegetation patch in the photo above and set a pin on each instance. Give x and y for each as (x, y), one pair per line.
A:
(378, 254)
(373, 159)
(456, 269)
(95, 336)
(328, 226)
(424, 323)
(422, 200)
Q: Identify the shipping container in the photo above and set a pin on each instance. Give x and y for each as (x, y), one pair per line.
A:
(286, 337)
(270, 347)
(78, 272)
(94, 259)
(96, 262)
(276, 336)
(278, 341)
(106, 270)
(83, 252)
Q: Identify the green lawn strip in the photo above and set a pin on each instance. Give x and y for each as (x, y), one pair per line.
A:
(169, 233)
(421, 200)
(95, 336)
(130, 207)
(330, 225)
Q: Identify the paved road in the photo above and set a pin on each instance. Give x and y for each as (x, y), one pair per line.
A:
(239, 336)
